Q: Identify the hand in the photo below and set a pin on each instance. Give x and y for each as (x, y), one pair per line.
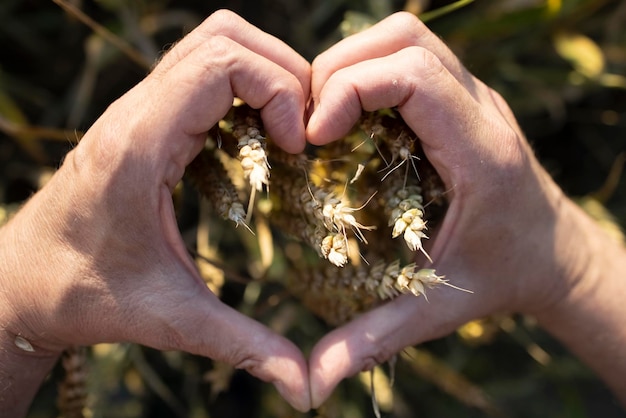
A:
(96, 256)
(507, 235)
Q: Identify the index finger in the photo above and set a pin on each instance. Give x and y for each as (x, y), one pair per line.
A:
(392, 34)
(228, 24)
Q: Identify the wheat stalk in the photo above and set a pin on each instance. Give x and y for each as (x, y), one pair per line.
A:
(347, 201)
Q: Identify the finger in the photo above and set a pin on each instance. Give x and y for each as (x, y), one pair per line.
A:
(173, 112)
(174, 310)
(429, 98)
(200, 323)
(465, 141)
(248, 345)
(139, 284)
(228, 24)
(413, 79)
(221, 69)
(377, 335)
(396, 32)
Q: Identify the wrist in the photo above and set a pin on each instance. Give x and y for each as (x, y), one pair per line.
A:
(23, 363)
(26, 357)
(561, 249)
(21, 374)
(583, 255)
(588, 316)
(28, 277)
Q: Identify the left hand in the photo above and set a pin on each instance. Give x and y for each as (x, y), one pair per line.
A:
(96, 255)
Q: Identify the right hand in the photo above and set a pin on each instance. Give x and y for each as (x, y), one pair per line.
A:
(506, 235)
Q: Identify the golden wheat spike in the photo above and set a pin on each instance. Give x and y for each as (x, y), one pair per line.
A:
(299, 228)
(72, 390)
(312, 199)
(403, 206)
(320, 206)
(279, 157)
(338, 294)
(208, 175)
(247, 129)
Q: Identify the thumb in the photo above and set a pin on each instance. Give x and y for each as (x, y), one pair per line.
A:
(377, 335)
(249, 345)
(203, 325)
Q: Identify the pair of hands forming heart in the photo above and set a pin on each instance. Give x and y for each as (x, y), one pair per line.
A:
(96, 256)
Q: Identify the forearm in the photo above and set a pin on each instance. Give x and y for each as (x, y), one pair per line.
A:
(24, 363)
(21, 374)
(590, 320)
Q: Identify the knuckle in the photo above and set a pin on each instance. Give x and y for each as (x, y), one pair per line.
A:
(425, 64)
(428, 63)
(220, 23)
(406, 20)
(218, 52)
(220, 46)
(375, 350)
(248, 363)
(281, 91)
(286, 84)
(251, 362)
(223, 20)
(380, 354)
(410, 26)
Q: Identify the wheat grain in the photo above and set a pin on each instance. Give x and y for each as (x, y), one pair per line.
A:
(314, 199)
(207, 173)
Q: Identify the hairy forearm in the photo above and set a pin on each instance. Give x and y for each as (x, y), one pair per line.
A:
(590, 320)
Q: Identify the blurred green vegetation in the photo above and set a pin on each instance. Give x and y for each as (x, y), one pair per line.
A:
(560, 64)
